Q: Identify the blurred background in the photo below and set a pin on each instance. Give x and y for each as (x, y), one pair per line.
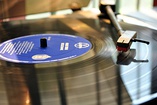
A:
(13, 8)
(144, 10)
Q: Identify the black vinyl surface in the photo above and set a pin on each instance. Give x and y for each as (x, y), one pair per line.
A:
(105, 77)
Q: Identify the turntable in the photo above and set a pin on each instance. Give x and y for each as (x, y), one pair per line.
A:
(76, 59)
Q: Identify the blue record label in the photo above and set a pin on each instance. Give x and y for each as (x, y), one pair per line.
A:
(59, 47)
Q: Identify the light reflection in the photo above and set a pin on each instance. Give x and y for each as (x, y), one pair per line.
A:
(134, 21)
(38, 16)
(27, 98)
(137, 76)
(150, 12)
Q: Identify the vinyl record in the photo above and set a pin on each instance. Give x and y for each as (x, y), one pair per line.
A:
(100, 76)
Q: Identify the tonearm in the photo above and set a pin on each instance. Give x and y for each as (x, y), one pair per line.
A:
(125, 38)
